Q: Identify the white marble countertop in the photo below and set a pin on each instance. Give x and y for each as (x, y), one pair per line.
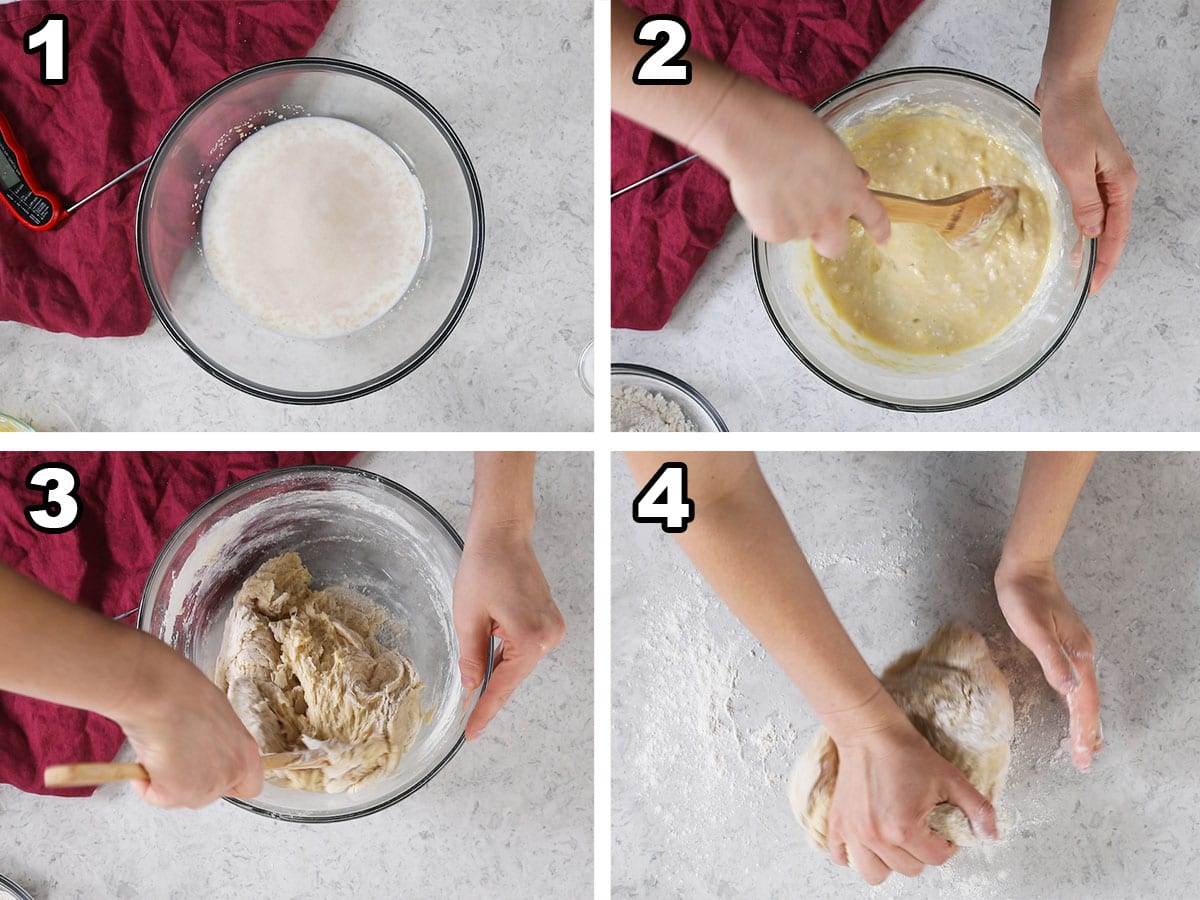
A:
(1132, 362)
(515, 82)
(509, 816)
(708, 727)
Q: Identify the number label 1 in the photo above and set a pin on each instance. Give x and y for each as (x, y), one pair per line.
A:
(664, 500)
(49, 37)
(670, 38)
(59, 510)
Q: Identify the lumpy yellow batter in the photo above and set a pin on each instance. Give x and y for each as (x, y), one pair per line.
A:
(915, 293)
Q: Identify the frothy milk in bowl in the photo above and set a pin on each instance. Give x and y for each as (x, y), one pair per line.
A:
(314, 227)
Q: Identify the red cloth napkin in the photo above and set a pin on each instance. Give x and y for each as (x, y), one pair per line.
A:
(662, 232)
(132, 67)
(131, 503)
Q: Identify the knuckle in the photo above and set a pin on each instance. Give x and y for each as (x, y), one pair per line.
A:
(773, 233)
(552, 631)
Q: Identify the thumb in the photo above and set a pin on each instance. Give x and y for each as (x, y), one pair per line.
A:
(1086, 202)
(474, 638)
(976, 807)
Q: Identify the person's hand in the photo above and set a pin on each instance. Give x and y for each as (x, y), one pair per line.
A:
(186, 735)
(1086, 151)
(790, 175)
(500, 590)
(889, 780)
(1043, 620)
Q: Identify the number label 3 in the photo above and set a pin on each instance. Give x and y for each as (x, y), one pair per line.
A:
(664, 500)
(59, 510)
(670, 38)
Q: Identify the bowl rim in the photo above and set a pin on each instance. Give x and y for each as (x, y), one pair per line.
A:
(757, 250)
(19, 423)
(17, 890)
(353, 472)
(678, 383)
(478, 231)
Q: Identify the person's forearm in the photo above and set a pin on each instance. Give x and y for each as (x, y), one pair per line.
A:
(503, 494)
(742, 544)
(1050, 485)
(54, 650)
(1076, 38)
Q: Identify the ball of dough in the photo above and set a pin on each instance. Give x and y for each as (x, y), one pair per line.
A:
(958, 700)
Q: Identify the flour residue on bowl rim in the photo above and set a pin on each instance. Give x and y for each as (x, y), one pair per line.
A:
(221, 540)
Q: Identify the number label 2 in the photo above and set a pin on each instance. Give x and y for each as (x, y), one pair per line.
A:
(49, 37)
(670, 38)
(59, 510)
(664, 500)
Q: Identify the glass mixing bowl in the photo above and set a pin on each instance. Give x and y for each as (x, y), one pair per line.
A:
(831, 348)
(213, 330)
(695, 406)
(12, 889)
(352, 529)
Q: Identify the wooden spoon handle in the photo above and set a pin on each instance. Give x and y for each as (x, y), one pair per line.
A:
(911, 210)
(91, 774)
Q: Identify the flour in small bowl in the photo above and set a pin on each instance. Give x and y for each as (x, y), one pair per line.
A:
(639, 409)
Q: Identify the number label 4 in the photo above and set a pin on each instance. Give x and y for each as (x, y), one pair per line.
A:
(670, 38)
(664, 500)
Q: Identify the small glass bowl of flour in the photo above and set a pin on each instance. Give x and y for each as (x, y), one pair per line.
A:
(650, 400)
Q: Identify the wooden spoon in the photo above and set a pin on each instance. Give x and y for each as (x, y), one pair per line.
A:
(90, 774)
(965, 219)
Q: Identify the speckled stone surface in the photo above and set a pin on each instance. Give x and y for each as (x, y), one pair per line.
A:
(706, 727)
(515, 82)
(509, 816)
(1130, 362)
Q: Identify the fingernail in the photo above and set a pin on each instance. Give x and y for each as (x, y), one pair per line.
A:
(469, 682)
(1092, 230)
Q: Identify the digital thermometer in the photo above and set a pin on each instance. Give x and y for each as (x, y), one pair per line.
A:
(33, 207)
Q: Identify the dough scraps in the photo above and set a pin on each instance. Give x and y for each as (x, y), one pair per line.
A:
(958, 700)
(305, 669)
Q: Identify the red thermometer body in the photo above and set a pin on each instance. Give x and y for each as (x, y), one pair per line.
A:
(34, 207)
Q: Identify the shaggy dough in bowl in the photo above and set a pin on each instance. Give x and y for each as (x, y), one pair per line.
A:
(304, 669)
